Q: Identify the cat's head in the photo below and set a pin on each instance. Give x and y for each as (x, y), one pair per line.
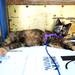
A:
(61, 29)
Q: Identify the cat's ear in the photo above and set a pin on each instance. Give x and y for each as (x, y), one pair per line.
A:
(68, 25)
(58, 22)
(66, 28)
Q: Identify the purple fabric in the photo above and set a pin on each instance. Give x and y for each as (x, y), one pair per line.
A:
(55, 35)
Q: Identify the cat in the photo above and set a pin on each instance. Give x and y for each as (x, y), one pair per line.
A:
(61, 29)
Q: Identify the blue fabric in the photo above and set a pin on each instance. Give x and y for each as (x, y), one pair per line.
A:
(3, 19)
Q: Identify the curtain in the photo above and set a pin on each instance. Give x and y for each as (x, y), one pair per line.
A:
(3, 20)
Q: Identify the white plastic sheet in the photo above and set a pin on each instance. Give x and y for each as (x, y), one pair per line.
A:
(35, 61)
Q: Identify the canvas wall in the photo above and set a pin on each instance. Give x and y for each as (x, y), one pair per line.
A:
(23, 17)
